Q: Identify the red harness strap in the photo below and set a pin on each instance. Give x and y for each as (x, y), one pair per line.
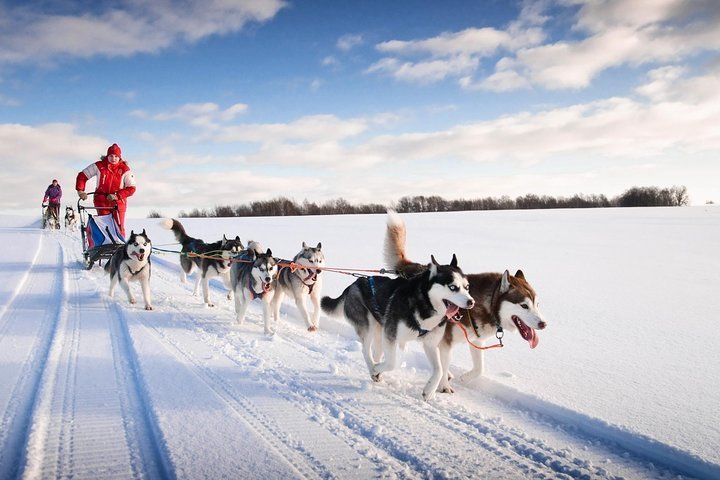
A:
(456, 322)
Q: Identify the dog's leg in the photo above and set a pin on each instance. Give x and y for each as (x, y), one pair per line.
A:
(445, 350)
(390, 362)
(126, 286)
(276, 302)
(367, 350)
(113, 284)
(206, 290)
(376, 339)
(315, 299)
(478, 366)
(267, 313)
(241, 306)
(302, 308)
(228, 285)
(145, 285)
(433, 354)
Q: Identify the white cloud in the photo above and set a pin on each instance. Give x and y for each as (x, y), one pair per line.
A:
(207, 115)
(609, 34)
(128, 28)
(349, 41)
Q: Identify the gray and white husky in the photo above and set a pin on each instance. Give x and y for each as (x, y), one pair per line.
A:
(254, 275)
(131, 262)
(214, 259)
(394, 311)
(502, 301)
(70, 219)
(301, 283)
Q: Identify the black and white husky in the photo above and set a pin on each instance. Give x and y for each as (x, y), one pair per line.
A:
(70, 219)
(131, 262)
(503, 302)
(301, 283)
(254, 275)
(394, 311)
(211, 259)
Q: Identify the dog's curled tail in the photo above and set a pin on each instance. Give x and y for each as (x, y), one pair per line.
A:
(332, 306)
(394, 248)
(177, 229)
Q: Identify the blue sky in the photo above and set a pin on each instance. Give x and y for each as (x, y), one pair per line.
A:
(222, 102)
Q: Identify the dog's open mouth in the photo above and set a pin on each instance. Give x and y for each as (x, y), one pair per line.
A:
(266, 287)
(451, 309)
(528, 333)
(139, 256)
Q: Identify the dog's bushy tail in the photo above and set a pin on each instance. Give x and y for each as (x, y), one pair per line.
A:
(177, 229)
(332, 306)
(394, 247)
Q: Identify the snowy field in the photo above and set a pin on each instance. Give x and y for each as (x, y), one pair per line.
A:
(625, 381)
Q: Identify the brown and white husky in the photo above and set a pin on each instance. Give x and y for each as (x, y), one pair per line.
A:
(501, 301)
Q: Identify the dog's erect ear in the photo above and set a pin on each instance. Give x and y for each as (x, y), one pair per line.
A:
(132, 233)
(505, 282)
(319, 247)
(268, 253)
(519, 274)
(433, 266)
(224, 238)
(453, 262)
(143, 233)
(305, 246)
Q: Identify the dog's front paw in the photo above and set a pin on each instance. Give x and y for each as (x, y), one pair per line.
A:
(445, 389)
(427, 396)
(312, 328)
(132, 301)
(148, 307)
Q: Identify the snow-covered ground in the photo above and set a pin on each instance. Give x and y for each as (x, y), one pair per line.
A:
(625, 382)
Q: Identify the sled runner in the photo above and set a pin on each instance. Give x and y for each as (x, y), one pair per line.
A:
(100, 233)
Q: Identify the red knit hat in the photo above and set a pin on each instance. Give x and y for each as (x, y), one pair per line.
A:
(114, 150)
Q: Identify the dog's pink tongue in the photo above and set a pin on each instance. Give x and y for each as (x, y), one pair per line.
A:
(266, 287)
(451, 310)
(527, 333)
(534, 339)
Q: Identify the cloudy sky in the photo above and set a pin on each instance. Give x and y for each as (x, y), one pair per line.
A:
(221, 102)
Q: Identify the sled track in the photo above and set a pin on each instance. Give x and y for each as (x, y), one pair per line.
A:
(19, 316)
(88, 419)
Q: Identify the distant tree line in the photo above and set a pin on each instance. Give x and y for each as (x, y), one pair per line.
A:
(281, 206)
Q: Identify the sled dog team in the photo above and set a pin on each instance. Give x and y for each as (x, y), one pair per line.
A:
(425, 302)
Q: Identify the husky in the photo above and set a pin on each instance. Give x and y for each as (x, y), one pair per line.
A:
(253, 275)
(214, 259)
(131, 262)
(50, 217)
(394, 311)
(301, 283)
(70, 219)
(503, 302)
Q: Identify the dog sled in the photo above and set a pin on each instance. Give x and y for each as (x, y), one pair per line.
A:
(100, 234)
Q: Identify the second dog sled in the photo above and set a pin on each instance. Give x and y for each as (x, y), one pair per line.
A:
(100, 234)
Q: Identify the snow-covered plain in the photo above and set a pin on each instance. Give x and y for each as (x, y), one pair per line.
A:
(625, 382)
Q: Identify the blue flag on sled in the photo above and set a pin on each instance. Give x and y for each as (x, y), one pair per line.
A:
(102, 230)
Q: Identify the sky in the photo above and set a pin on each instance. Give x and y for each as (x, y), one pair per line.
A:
(223, 103)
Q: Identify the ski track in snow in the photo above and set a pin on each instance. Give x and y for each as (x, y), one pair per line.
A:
(170, 391)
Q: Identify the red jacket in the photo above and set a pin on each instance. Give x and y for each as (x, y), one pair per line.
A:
(117, 179)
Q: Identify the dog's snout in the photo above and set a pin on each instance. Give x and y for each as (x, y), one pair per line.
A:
(542, 325)
(267, 279)
(142, 250)
(470, 303)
